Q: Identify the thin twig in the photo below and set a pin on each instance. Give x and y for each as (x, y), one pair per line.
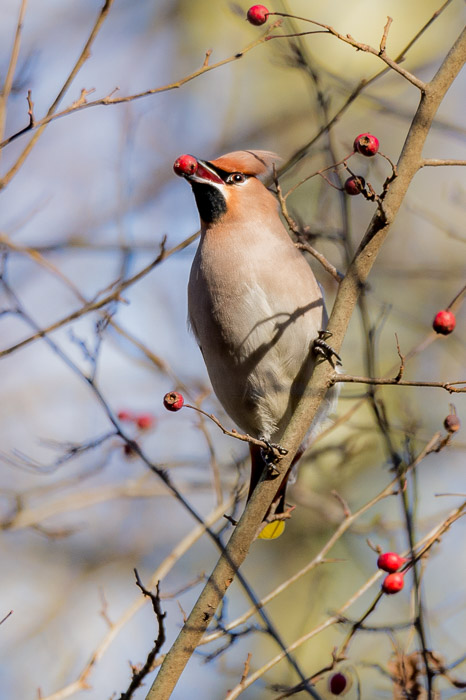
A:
(451, 387)
(81, 104)
(8, 84)
(348, 39)
(278, 452)
(85, 54)
(362, 85)
(435, 162)
(141, 673)
(112, 296)
(429, 539)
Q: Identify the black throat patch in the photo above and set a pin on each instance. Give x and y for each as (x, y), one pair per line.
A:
(210, 202)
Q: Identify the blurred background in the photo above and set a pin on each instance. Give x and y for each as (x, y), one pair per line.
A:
(90, 206)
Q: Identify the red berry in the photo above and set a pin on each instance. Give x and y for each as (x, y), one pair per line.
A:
(337, 683)
(145, 421)
(125, 415)
(452, 423)
(185, 165)
(173, 401)
(354, 184)
(444, 322)
(257, 15)
(393, 583)
(390, 561)
(366, 144)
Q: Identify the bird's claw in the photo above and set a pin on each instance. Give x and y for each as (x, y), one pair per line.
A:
(323, 349)
(269, 455)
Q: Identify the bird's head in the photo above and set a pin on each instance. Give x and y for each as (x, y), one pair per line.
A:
(229, 187)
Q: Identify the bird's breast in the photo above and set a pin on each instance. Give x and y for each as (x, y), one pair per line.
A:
(255, 311)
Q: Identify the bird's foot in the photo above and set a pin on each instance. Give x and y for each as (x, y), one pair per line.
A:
(271, 454)
(323, 349)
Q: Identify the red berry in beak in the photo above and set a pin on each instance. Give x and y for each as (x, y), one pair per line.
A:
(257, 15)
(366, 144)
(393, 583)
(354, 185)
(173, 401)
(185, 165)
(444, 322)
(390, 561)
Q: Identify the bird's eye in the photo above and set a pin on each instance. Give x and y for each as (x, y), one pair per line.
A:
(235, 178)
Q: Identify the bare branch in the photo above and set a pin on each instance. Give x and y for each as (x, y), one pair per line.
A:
(348, 39)
(82, 103)
(451, 387)
(435, 162)
(86, 52)
(347, 297)
(8, 84)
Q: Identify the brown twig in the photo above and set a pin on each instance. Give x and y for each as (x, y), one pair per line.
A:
(336, 618)
(109, 99)
(114, 295)
(81, 683)
(383, 41)
(389, 490)
(362, 85)
(6, 617)
(435, 162)
(348, 39)
(448, 386)
(331, 269)
(85, 54)
(8, 84)
(278, 452)
(346, 300)
(399, 376)
(140, 673)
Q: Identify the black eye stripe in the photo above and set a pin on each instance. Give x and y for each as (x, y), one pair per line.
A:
(226, 176)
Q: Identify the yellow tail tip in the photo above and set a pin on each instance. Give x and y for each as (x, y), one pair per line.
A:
(272, 530)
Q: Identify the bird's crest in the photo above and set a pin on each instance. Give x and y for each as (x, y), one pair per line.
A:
(257, 163)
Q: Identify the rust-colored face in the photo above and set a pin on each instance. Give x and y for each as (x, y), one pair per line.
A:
(228, 186)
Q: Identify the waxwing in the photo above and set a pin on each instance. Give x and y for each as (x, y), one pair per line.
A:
(254, 304)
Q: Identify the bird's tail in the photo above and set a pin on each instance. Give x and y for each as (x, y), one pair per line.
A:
(274, 529)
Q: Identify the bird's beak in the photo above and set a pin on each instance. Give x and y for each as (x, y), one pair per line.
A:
(205, 174)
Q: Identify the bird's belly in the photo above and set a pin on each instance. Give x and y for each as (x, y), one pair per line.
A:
(260, 371)
(255, 330)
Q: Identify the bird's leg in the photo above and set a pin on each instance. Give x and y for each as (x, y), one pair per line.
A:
(270, 457)
(320, 347)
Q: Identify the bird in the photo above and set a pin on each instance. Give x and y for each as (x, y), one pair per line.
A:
(254, 304)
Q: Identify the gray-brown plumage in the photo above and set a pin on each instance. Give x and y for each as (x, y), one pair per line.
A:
(254, 304)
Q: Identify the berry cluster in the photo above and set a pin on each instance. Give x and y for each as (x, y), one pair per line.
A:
(391, 562)
(366, 145)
